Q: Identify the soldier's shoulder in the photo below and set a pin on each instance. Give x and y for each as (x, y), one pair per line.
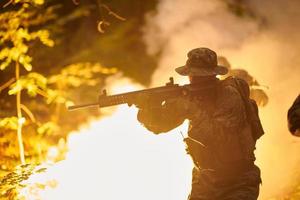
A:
(236, 84)
(232, 81)
(243, 74)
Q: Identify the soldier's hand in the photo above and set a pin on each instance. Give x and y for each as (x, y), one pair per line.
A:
(146, 114)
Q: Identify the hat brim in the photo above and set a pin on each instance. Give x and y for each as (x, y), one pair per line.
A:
(192, 71)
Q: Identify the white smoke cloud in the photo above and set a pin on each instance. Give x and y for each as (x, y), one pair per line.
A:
(265, 42)
(179, 26)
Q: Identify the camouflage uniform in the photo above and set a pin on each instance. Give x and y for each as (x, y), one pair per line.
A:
(294, 117)
(256, 91)
(220, 140)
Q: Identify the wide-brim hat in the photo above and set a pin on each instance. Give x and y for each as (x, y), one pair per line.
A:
(201, 62)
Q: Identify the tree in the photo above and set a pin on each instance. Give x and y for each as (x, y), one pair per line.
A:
(16, 36)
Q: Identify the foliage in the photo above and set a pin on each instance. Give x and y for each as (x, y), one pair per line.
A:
(12, 183)
(15, 37)
(32, 82)
(77, 74)
(15, 34)
(9, 123)
(51, 77)
(20, 28)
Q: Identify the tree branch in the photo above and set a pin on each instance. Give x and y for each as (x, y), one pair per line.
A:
(110, 12)
(28, 112)
(8, 3)
(7, 84)
(76, 2)
(42, 93)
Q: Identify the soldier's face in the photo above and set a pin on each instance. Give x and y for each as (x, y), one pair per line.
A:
(194, 79)
(201, 79)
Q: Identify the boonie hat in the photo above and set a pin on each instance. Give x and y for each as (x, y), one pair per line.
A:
(201, 62)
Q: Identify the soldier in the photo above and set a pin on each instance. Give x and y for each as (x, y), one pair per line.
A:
(223, 129)
(294, 117)
(256, 91)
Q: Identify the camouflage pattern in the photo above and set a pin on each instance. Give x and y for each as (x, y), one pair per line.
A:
(219, 140)
(257, 92)
(294, 117)
(208, 186)
(201, 62)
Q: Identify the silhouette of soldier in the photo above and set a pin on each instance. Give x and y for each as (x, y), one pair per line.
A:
(223, 129)
(294, 117)
(256, 91)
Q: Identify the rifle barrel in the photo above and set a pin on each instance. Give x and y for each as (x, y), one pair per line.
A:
(82, 106)
(170, 90)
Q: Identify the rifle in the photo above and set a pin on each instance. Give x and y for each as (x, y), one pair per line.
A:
(146, 96)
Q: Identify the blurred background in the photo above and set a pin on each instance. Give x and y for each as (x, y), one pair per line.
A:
(56, 53)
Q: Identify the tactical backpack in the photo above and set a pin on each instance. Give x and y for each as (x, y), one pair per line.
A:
(250, 105)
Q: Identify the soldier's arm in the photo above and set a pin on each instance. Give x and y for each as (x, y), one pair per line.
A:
(163, 118)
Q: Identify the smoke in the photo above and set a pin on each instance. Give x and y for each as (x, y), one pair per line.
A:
(259, 36)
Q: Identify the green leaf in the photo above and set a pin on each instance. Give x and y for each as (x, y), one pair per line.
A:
(44, 37)
(16, 87)
(52, 95)
(9, 123)
(39, 79)
(38, 2)
(4, 64)
(31, 89)
(27, 66)
(48, 128)
(32, 82)
(14, 54)
(25, 61)
(4, 53)
(22, 33)
(81, 73)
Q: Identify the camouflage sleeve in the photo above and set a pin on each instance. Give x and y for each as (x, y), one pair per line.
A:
(163, 118)
(294, 117)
